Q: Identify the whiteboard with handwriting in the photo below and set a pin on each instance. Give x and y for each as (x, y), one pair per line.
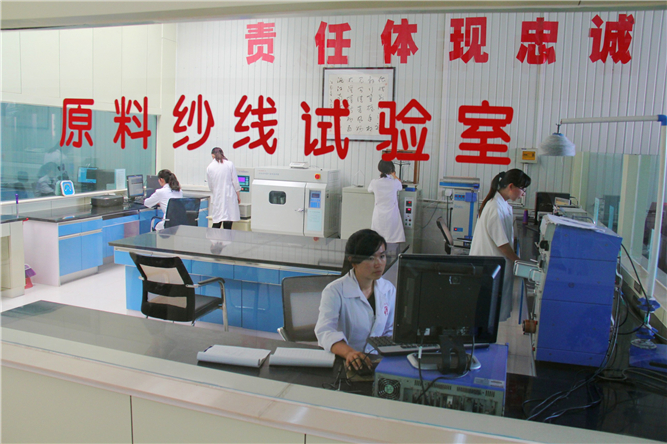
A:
(363, 88)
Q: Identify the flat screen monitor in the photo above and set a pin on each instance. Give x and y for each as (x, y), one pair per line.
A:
(87, 175)
(152, 184)
(135, 186)
(456, 296)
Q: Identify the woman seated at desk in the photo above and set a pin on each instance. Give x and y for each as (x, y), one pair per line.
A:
(170, 188)
(358, 305)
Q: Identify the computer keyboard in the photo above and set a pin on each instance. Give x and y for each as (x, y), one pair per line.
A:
(387, 347)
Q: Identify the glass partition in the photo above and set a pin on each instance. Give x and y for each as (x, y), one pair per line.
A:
(33, 159)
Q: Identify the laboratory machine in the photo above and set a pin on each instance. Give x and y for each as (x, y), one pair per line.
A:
(357, 213)
(461, 196)
(296, 201)
(574, 283)
(246, 176)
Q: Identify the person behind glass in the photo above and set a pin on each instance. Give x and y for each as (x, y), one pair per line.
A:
(386, 215)
(226, 192)
(46, 184)
(359, 304)
(494, 232)
(170, 188)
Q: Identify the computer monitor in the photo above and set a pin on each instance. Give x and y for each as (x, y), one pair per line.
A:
(135, 186)
(152, 184)
(87, 175)
(456, 296)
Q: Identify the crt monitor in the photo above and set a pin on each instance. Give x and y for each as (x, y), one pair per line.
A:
(87, 175)
(456, 296)
(135, 186)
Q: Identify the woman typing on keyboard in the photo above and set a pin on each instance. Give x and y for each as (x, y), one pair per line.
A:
(358, 305)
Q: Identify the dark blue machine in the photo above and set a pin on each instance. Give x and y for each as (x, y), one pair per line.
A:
(575, 297)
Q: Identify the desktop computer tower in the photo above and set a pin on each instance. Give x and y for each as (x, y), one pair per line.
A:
(480, 391)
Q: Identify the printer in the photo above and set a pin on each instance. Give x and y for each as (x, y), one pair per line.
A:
(110, 200)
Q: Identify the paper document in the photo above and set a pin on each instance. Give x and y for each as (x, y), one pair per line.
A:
(227, 354)
(303, 357)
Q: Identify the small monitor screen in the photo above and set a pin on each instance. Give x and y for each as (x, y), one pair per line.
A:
(456, 296)
(244, 181)
(152, 184)
(135, 185)
(87, 175)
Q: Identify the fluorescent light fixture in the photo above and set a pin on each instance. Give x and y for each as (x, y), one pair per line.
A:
(557, 145)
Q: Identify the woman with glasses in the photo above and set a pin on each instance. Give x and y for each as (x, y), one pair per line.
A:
(358, 305)
(494, 232)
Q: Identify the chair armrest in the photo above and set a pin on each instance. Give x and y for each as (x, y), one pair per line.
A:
(209, 281)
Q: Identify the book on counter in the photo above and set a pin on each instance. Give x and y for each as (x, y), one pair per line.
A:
(227, 354)
(303, 357)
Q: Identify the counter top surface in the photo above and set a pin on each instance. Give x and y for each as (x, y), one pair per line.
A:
(79, 212)
(248, 246)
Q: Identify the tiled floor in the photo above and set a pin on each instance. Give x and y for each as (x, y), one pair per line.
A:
(106, 291)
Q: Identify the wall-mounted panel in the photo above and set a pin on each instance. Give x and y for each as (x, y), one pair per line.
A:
(134, 63)
(40, 63)
(76, 63)
(107, 64)
(11, 61)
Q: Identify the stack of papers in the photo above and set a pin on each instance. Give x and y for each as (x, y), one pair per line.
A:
(302, 357)
(227, 354)
(254, 357)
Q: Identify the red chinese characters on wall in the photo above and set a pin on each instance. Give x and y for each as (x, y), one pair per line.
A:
(124, 120)
(261, 111)
(616, 42)
(338, 43)
(496, 117)
(474, 40)
(260, 42)
(403, 45)
(415, 142)
(335, 113)
(196, 110)
(77, 121)
(537, 34)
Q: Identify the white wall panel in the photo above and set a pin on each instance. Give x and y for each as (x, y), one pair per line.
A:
(40, 65)
(76, 63)
(212, 61)
(153, 66)
(107, 64)
(11, 61)
(134, 62)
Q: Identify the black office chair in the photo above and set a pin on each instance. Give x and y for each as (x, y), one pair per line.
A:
(449, 241)
(180, 211)
(169, 293)
(301, 306)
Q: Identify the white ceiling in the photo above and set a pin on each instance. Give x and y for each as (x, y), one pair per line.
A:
(25, 14)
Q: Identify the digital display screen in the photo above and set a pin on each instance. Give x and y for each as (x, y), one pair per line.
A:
(87, 175)
(408, 203)
(244, 181)
(135, 185)
(315, 200)
(408, 210)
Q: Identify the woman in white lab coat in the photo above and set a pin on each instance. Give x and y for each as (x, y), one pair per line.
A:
(170, 188)
(358, 305)
(386, 215)
(494, 232)
(226, 192)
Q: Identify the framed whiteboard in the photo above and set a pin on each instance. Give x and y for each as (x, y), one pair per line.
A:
(363, 88)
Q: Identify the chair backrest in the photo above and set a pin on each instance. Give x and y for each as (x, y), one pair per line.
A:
(301, 305)
(165, 294)
(182, 211)
(440, 222)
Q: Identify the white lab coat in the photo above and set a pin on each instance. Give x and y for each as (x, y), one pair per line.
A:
(386, 216)
(346, 315)
(494, 228)
(224, 184)
(161, 197)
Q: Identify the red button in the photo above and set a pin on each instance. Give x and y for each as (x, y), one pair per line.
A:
(317, 176)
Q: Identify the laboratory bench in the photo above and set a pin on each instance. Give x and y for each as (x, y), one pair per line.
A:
(95, 376)
(252, 264)
(63, 244)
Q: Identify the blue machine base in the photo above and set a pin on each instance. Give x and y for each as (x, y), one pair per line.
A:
(655, 359)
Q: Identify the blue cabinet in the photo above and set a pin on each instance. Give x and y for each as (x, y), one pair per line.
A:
(80, 246)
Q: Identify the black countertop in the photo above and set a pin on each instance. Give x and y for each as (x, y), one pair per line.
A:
(79, 212)
(247, 246)
(7, 218)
